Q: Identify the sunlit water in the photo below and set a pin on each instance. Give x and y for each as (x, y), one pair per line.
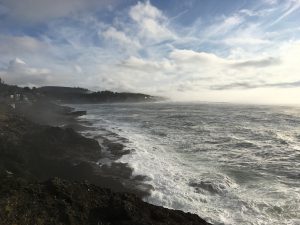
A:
(230, 164)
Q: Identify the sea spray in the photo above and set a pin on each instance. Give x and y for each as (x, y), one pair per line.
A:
(231, 164)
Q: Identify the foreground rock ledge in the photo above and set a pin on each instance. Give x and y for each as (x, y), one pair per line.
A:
(60, 202)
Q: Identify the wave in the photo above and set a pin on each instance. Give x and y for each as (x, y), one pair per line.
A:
(213, 183)
(222, 162)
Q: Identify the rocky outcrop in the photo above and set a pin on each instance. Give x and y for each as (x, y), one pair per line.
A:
(61, 202)
(39, 152)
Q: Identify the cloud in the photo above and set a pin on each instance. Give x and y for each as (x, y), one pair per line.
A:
(190, 71)
(19, 73)
(249, 36)
(290, 7)
(143, 10)
(248, 40)
(77, 69)
(120, 37)
(259, 13)
(251, 85)
(225, 25)
(190, 56)
(270, 61)
(17, 44)
(236, 85)
(151, 22)
(271, 2)
(42, 10)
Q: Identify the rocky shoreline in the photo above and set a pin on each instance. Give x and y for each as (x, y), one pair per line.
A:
(32, 153)
(58, 201)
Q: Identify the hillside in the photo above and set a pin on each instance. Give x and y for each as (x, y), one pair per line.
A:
(80, 95)
(72, 94)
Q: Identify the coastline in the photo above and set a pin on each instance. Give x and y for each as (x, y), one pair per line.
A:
(36, 153)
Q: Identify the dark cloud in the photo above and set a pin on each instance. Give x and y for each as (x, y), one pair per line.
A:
(43, 10)
(246, 85)
(286, 84)
(258, 63)
(236, 85)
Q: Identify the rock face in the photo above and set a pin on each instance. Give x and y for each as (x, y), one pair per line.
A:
(62, 202)
(31, 150)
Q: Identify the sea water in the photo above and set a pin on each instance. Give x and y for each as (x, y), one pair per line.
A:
(230, 164)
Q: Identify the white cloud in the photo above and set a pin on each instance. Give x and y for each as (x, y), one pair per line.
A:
(18, 72)
(144, 10)
(224, 26)
(151, 21)
(187, 71)
(250, 36)
(290, 7)
(271, 2)
(192, 57)
(257, 13)
(119, 36)
(78, 69)
(248, 40)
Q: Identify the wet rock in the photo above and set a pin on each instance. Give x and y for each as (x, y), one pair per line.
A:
(59, 201)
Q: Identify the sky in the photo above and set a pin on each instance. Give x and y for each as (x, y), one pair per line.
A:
(245, 51)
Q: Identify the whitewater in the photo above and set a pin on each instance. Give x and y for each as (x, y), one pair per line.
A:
(230, 164)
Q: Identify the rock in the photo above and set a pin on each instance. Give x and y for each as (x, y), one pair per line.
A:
(61, 202)
(77, 113)
(40, 152)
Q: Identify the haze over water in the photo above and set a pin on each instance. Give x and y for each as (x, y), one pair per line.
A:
(231, 164)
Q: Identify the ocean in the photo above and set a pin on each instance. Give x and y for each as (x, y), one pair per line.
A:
(230, 164)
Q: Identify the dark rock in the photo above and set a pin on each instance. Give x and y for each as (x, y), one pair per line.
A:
(59, 201)
(38, 152)
(77, 113)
